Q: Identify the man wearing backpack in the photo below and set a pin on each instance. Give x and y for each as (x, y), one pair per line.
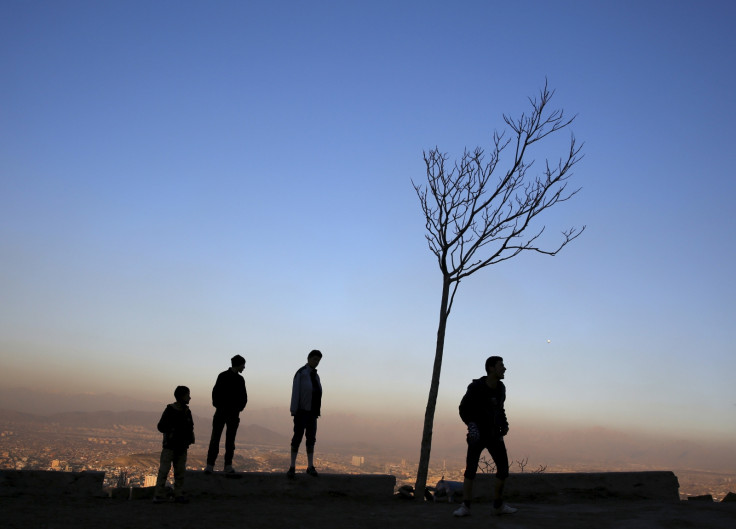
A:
(482, 410)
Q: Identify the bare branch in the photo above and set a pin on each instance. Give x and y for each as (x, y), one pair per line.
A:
(486, 466)
(466, 213)
(455, 284)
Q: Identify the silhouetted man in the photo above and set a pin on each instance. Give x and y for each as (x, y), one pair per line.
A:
(178, 428)
(306, 404)
(482, 409)
(229, 398)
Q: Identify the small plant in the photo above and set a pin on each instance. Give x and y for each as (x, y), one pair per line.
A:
(487, 466)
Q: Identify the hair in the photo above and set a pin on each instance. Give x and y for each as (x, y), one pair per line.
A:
(314, 352)
(237, 360)
(491, 362)
(180, 391)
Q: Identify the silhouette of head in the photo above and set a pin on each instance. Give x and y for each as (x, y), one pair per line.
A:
(180, 393)
(237, 360)
(491, 362)
(313, 358)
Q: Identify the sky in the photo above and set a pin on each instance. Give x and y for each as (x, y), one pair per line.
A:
(184, 181)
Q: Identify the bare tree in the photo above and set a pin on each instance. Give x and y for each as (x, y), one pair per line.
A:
(474, 221)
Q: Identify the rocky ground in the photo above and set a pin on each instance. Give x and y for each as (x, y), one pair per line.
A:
(24, 512)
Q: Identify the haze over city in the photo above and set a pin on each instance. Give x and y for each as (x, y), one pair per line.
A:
(181, 182)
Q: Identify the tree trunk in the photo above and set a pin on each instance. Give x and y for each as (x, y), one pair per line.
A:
(426, 448)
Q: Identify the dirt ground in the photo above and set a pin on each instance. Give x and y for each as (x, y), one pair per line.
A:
(27, 512)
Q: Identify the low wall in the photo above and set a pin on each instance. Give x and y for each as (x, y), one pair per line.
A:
(241, 484)
(44, 482)
(582, 486)
(545, 487)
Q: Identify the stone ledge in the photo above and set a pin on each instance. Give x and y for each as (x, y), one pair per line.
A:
(545, 487)
(44, 482)
(243, 484)
(583, 486)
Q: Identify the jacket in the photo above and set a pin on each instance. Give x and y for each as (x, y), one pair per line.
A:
(485, 407)
(177, 425)
(306, 395)
(229, 393)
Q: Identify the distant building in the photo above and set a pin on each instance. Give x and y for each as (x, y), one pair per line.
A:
(122, 479)
(149, 481)
(358, 461)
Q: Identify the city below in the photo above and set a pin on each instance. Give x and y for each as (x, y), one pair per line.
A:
(129, 454)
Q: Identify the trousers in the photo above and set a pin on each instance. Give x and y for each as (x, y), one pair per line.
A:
(496, 447)
(219, 421)
(304, 421)
(169, 458)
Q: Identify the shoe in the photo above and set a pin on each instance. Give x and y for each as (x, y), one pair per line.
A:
(209, 469)
(181, 499)
(504, 509)
(229, 469)
(463, 510)
(291, 474)
(312, 472)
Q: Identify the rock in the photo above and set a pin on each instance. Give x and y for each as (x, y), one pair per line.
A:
(704, 497)
(731, 496)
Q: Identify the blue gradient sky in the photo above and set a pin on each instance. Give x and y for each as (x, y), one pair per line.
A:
(183, 181)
